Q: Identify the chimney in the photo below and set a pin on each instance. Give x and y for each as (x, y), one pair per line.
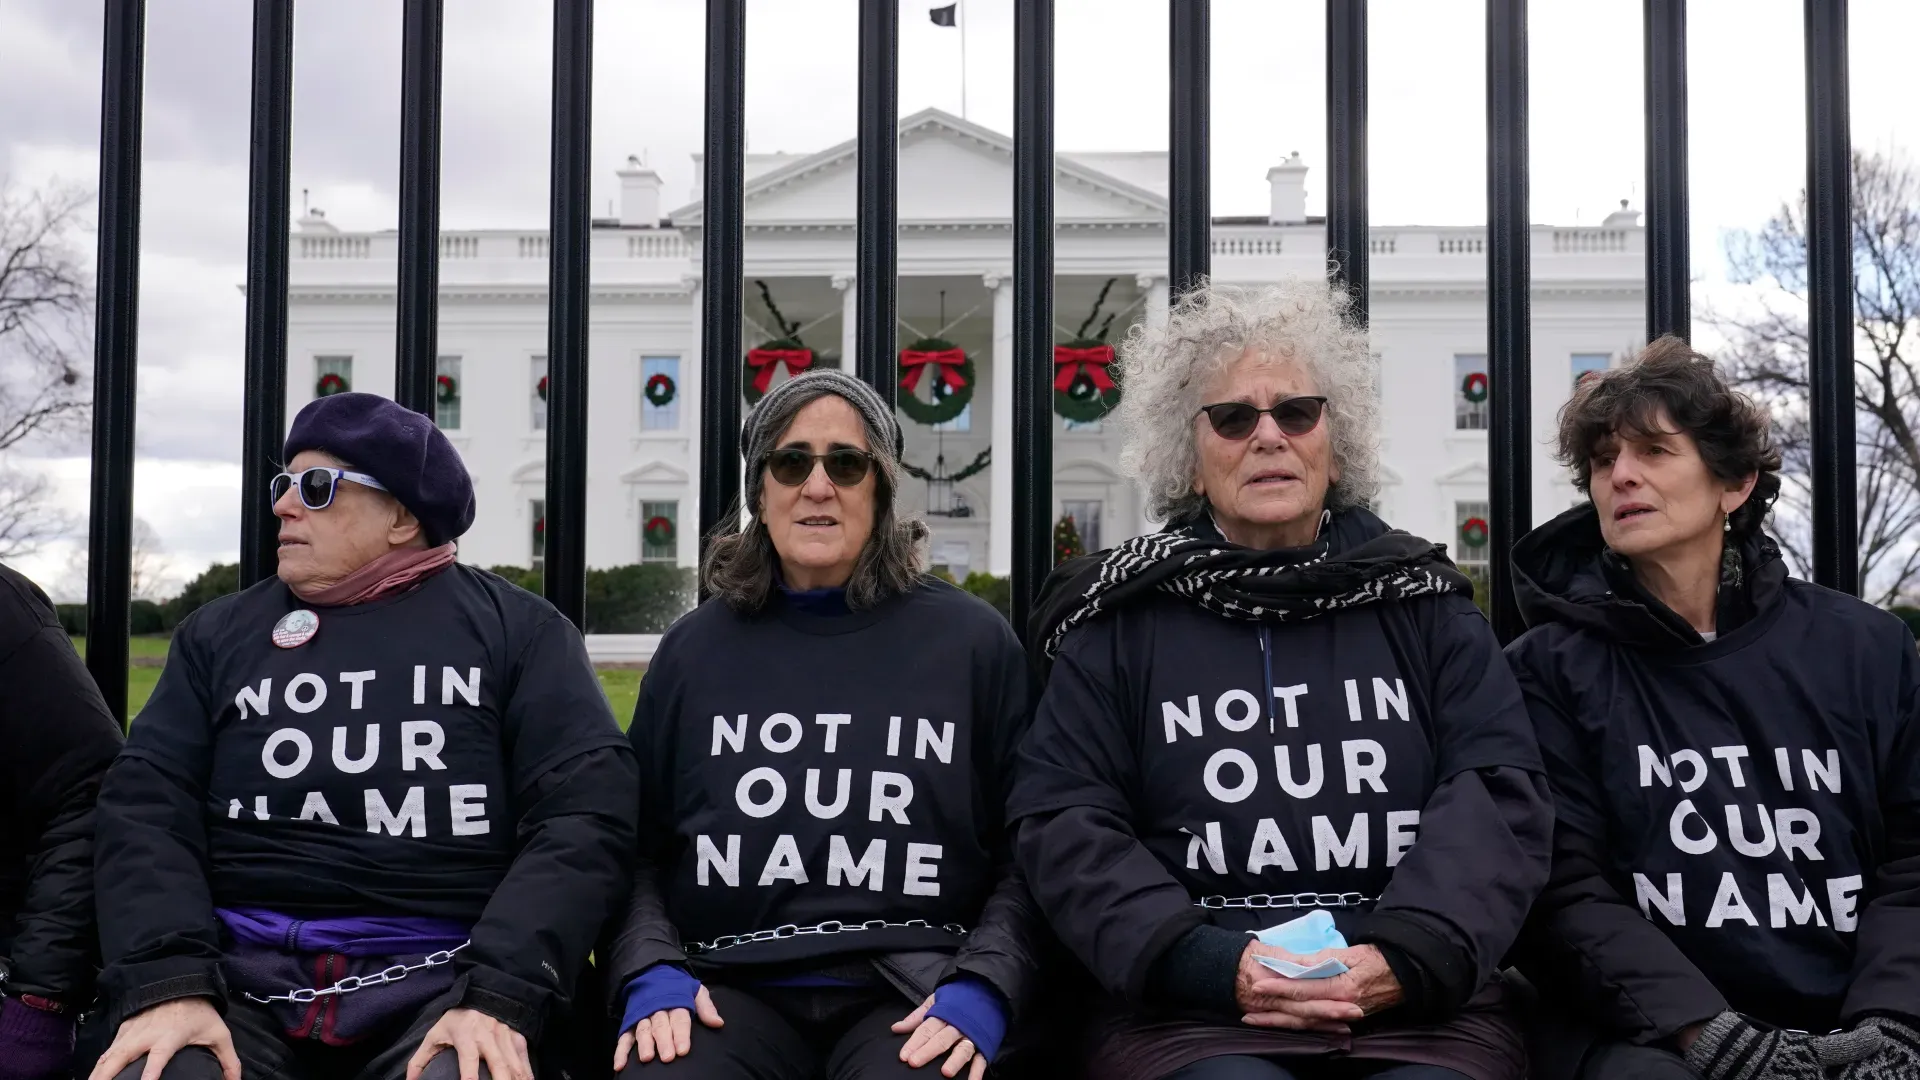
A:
(1624, 218)
(315, 221)
(639, 194)
(1289, 183)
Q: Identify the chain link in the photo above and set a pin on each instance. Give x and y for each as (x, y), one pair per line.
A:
(360, 982)
(1284, 900)
(831, 926)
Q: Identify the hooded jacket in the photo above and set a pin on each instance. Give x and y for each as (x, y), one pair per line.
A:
(1191, 777)
(59, 739)
(1738, 821)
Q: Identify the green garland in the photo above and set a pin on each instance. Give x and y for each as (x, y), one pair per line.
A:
(947, 401)
(980, 462)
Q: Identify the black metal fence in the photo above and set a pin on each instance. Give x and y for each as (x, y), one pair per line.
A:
(1668, 309)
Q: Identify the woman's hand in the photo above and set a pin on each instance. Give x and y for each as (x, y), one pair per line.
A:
(1365, 988)
(474, 1037)
(1272, 1000)
(164, 1030)
(933, 1037)
(667, 1034)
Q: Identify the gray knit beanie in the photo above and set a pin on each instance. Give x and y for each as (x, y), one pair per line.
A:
(759, 430)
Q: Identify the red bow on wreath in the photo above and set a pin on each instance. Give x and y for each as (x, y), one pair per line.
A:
(797, 361)
(947, 360)
(1070, 362)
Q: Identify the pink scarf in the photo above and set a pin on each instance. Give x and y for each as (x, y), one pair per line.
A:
(396, 571)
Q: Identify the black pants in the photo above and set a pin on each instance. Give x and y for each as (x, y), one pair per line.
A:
(266, 1054)
(1237, 1067)
(795, 1034)
(1621, 1061)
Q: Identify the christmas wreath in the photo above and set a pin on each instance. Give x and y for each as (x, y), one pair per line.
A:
(786, 350)
(541, 388)
(660, 390)
(329, 385)
(950, 388)
(1473, 532)
(449, 391)
(979, 463)
(1474, 388)
(659, 531)
(1084, 387)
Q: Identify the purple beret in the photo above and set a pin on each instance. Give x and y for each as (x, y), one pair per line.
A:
(396, 446)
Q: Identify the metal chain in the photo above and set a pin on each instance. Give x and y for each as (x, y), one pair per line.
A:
(831, 926)
(1284, 900)
(360, 982)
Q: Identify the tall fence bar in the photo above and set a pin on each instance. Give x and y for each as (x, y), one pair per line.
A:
(877, 219)
(115, 352)
(263, 421)
(1033, 168)
(1830, 296)
(417, 326)
(1669, 289)
(568, 253)
(722, 263)
(1190, 223)
(1348, 241)
(1509, 307)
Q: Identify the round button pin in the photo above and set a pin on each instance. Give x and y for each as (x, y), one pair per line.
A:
(295, 629)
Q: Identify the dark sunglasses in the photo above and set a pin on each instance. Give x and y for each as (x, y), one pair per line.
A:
(317, 484)
(1236, 419)
(845, 467)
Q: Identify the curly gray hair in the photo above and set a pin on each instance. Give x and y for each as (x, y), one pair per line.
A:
(1165, 369)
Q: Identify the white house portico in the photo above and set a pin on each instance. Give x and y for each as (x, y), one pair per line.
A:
(1428, 306)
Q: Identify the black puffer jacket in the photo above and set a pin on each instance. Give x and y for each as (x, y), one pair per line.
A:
(1738, 821)
(58, 740)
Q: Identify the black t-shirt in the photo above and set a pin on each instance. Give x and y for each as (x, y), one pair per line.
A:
(801, 769)
(379, 767)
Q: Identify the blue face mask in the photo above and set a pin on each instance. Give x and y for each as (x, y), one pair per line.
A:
(1304, 936)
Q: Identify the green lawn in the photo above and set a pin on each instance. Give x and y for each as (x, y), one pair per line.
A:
(621, 685)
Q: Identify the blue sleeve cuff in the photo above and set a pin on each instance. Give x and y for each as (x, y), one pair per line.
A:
(977, 1009)
(657, 989)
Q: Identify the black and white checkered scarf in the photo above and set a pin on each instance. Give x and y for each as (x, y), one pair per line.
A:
(1355, 560)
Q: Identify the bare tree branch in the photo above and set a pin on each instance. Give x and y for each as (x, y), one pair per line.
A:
(1768, 358)
(28, 518)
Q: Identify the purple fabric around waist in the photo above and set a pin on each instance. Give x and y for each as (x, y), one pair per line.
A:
(384, 936)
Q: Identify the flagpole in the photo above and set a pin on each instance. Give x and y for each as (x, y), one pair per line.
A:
(961, 19)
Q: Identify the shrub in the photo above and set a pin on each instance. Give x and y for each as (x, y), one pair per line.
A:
(216, 581)
(643, 598)
(1910, 616)
(997, 591)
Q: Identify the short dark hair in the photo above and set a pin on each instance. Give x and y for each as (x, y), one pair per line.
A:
(1733, 433)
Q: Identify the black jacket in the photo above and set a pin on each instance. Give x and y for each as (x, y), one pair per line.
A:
(445, 752)
(1159, 774)
(1680, 766)
(56, 740)
(801, 768)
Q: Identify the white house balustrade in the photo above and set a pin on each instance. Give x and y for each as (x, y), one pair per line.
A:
(1427, 285)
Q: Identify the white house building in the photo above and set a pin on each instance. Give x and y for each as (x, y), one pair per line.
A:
(1428, 306)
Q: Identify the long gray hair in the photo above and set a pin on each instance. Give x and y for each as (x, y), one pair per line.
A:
(739, 564)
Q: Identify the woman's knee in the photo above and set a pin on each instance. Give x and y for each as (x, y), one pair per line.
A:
(1233, 1067)
(191, 1063)
(445, 1065)
(1623, 1061)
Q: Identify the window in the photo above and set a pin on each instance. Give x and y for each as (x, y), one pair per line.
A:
(446, 394)
(539, 516)
(1086, 521)
(659, 532)
(659, 378)
(1585, 364)
(955, 557)
(332, 375)
(1470, 389)
(537, 383)
(962, 423)
(1471, 535)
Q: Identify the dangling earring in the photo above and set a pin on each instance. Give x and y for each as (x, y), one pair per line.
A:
(1726, 524)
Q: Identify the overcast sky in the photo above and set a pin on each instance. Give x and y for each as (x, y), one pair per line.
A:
(1427, 137)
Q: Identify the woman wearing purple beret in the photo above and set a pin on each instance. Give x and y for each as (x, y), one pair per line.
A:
(377, 808)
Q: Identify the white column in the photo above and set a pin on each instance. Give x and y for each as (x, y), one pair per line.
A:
(1155, 286)
(693, 379)
(1000, 524)
(849, 306)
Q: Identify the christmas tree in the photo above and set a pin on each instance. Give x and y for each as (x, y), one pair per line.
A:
(1066, 541)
